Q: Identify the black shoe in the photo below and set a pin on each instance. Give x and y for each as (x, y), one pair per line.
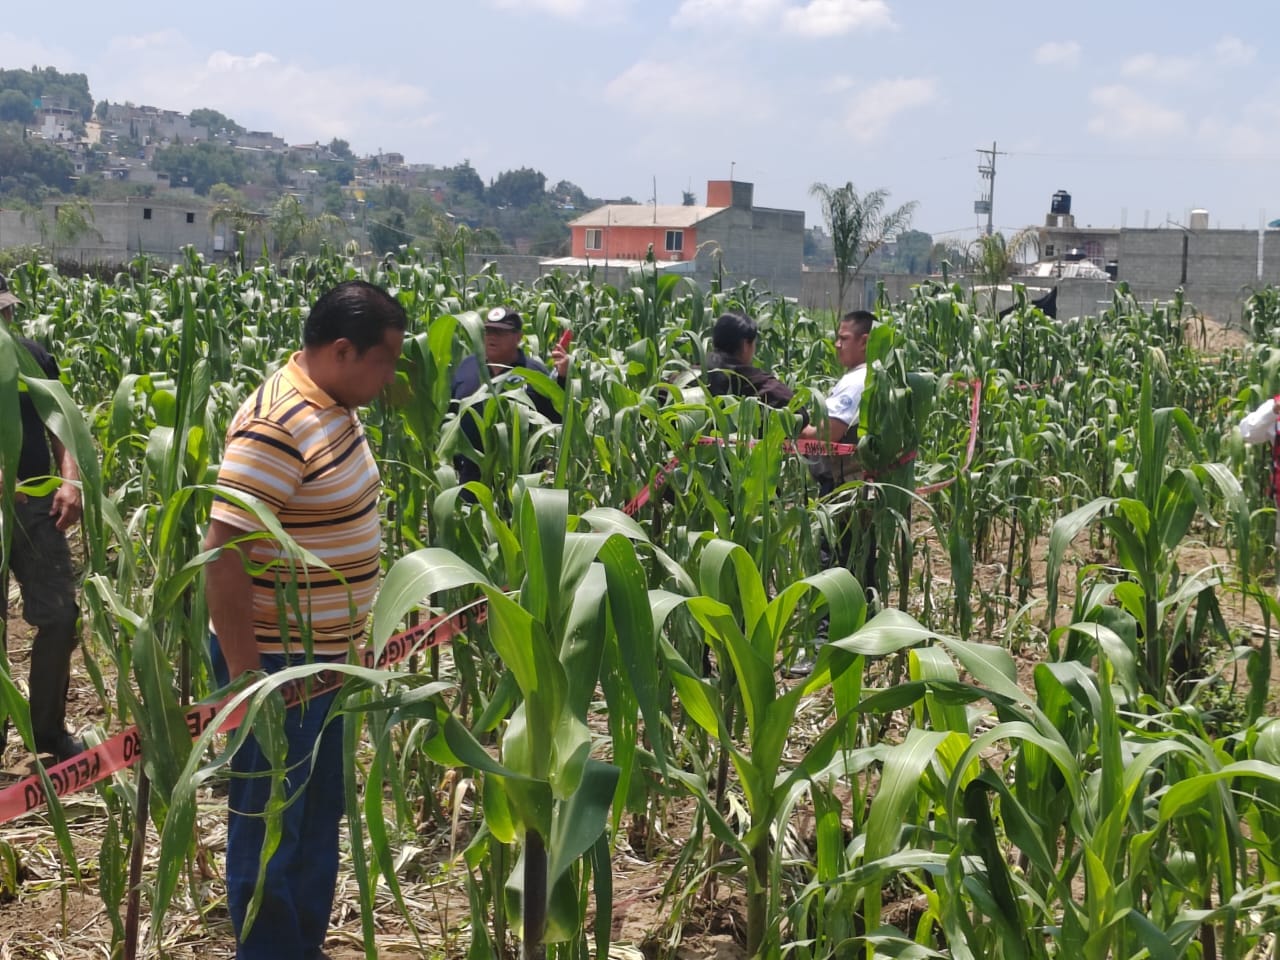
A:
(800, 669)
(63, 747)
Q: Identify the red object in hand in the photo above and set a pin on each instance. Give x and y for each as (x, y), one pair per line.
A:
(566, 338)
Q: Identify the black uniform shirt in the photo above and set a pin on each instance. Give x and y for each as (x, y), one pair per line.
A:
(36, 459)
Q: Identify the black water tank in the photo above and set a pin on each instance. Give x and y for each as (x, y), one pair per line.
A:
(1113, 269)
(1061, 203)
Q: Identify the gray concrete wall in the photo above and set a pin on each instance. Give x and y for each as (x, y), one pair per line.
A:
(118, 230)
(763, 244)
(1218, 270)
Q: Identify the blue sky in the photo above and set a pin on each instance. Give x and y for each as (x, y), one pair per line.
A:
(1141, 110)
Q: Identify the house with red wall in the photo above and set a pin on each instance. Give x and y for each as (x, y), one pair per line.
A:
(727, 235)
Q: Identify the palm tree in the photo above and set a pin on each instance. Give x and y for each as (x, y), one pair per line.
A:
(996, 259)
(243, 221)
(293, 231)
(859, 225)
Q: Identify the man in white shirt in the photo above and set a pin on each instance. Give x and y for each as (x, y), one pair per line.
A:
(844, 401)
(1260, 426)
(843, 407)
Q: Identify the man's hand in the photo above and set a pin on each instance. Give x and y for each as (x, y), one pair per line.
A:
(229, 595)
(560, 361)
(67, 507)
(836, 429)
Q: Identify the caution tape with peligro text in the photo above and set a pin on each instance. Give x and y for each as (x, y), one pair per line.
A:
(122, 750)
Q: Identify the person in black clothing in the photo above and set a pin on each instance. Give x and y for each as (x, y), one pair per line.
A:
(503, 329)
(730, 364)
(40, 559)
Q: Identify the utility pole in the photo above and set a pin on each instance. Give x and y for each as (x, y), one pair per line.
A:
(988, 172)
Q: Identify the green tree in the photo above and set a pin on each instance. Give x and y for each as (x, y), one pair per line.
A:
(48, 165)
(568, 192)
(201, 165)
(15, 107)
(101, 110)
(387, 231)
(950, 253)
(293, 231)
(49, 84)
(518, 188)
(332, 199)
(463, 179)
(859, 225)
(341, 149)
(72, 221)
(996, 258)
(214, 120)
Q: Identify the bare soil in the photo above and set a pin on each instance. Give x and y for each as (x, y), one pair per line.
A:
(56, 914)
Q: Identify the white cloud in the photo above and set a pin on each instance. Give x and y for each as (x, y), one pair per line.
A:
(566, 9)
(840, 83)
(264, 90)
(748, 13)
(834, 18)
(1234, 138)
(1226, 53)
(1058, 53)
(663, 88)
(815, 18)
(1124, 114)
(137, 43)
(1163, 69)
(222, 62)
(23, 52)
(1234, 52)
(875, 108)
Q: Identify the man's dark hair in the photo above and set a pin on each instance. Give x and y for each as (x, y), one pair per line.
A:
(356, 311)
(862, 321)
(731, 331)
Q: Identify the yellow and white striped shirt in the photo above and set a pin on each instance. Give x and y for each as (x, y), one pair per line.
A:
(303, 454)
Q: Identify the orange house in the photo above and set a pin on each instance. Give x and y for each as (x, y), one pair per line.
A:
(619, 232)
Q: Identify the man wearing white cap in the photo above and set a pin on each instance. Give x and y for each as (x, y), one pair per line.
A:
(503, 331)
(40, 559)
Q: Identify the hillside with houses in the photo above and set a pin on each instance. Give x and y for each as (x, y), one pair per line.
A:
(102, 181)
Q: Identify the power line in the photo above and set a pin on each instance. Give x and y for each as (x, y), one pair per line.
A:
(1161, 157)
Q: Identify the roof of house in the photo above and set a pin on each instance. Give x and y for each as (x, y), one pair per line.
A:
(662, 266)
(643, 215)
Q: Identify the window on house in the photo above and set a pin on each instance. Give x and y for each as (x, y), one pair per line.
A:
(146, 213)
(1048, 250)
(191, 218)
(675, 241)
(595, 239)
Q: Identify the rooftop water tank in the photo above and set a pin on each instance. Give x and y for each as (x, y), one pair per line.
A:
(1061, 203)
(1199, 219)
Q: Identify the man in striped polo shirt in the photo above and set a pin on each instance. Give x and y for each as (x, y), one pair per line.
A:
(298, 447)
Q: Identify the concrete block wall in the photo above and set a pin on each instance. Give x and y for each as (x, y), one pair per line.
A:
(1221, 267)
(760, 243)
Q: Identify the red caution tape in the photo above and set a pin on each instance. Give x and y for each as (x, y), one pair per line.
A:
(819, 448)
(974, 408)
(124, 749)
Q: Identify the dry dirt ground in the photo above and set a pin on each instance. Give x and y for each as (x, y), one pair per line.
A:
(55, 915)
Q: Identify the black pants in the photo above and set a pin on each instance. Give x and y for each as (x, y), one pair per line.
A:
(40, 560)
(855, 531)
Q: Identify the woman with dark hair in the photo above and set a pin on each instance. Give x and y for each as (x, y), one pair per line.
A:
(730, 367)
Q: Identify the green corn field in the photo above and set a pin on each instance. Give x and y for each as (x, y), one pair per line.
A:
(1048, 733)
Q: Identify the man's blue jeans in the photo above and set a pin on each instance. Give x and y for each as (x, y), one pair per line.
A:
(297, 896)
